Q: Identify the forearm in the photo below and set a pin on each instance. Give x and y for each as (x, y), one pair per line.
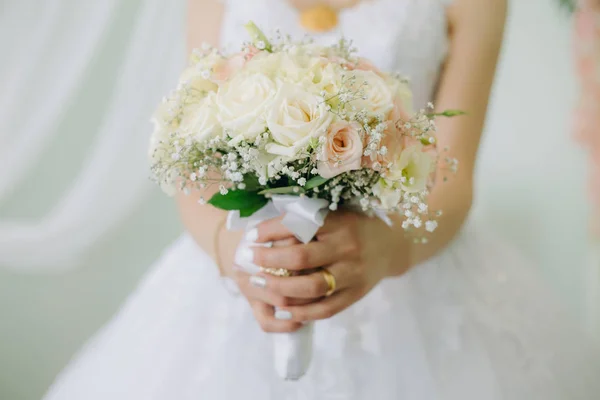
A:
(475, 39)
(206, 225)
(454, 199)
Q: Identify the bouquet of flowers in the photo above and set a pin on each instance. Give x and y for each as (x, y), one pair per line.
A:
(295, 128)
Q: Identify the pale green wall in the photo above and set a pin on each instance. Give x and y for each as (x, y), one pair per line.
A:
(44, 319)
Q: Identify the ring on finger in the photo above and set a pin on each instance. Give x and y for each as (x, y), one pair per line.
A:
(330, 280)
(276, 271)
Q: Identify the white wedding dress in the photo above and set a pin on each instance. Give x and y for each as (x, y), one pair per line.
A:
(475, 323)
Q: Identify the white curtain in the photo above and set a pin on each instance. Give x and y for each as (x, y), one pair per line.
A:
(47, 47)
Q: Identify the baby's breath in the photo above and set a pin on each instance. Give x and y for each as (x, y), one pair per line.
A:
(183, 159)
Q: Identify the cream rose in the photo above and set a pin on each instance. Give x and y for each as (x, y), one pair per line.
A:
(411, 170)
(193, 78)
(295, 117)
(342, 150)
(326, 78)
(387, 194)
(378, 96)
(169, 113)
(294, 67)
(274, 65)
(242, 104)
(201, 122)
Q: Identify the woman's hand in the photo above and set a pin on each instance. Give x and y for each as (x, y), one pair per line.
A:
(263, 301)
(359, 251)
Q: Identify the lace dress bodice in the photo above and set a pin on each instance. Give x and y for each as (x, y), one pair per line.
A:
(406, 36)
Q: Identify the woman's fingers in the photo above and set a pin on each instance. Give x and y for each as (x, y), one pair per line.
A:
(273, 229)
(264, 314)
(255, 287)
(313, 285)
(326, 308)
(269, 231)
(296, 257)
(289, 241)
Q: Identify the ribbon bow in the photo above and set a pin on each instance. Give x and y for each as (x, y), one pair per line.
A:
(303, 216)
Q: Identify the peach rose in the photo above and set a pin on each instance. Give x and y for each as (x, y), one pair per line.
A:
(342, 150)
(399, 112)
(365, 65)
(223, 70)
(392, 140)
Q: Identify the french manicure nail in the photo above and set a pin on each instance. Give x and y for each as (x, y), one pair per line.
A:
(251, 235)
(258, 281)
(266, 245)
(283, 314)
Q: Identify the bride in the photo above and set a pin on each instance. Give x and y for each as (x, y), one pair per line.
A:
(462, 317)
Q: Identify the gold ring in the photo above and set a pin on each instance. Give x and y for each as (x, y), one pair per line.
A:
(276, 271)
(330, 279)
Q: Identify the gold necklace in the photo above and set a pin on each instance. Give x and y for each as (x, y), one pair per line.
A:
(319, 18)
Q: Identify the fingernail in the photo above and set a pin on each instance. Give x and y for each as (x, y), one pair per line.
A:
(258, 281)
(283, 314)
(267, 245)
(251, 235)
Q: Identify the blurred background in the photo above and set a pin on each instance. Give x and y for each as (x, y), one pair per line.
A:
(80, 220)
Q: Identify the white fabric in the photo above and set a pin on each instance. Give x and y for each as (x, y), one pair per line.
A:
(41, 75)
(473, 323)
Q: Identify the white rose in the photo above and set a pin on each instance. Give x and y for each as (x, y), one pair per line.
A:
(165, 116)
(265, 63)
(327, 78)
(169, 113)
(206, 61)
(159, 136)
(387, 194)
(294, 118)
(242, 103)
(411, 169)
(280, 66)
(193, 78)
(158, 154)
(378, 96)
(201, 120)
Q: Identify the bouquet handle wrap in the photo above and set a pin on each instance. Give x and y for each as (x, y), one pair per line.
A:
(303, 217)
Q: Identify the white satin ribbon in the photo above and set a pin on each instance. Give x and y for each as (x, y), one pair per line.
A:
(303, 217)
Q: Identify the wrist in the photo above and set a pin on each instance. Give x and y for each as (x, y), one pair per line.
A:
(390, 247)
(398, 246)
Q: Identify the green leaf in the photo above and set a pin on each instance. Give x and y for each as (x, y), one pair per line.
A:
(246, 202)
(447, 113)
(314, 182)
(251, 182)
(258, 36)
(283, 190)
